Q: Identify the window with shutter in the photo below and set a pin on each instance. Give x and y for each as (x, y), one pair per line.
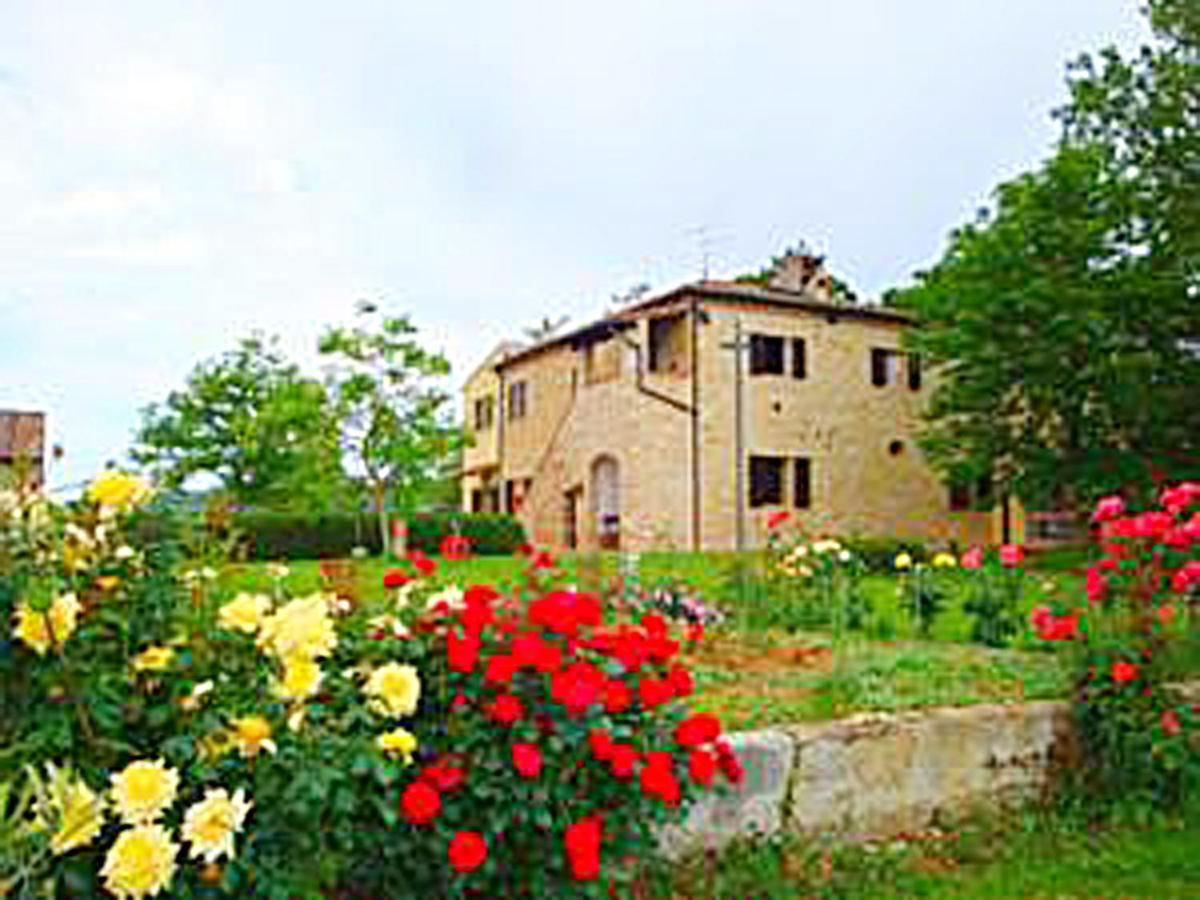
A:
(766, 481)
(799, 358)
(766, 355)
(803, 486)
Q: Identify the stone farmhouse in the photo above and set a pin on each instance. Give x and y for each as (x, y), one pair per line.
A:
(687, 420)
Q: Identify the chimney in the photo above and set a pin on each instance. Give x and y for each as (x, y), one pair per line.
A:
(802, 273)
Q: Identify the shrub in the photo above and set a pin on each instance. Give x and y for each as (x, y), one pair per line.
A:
(158, 736)
(1140, 740)
(490, 534)
(280, 535)
(879, 553)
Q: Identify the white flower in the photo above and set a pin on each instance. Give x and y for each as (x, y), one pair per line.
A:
(844, 556)
(277, 571)
(124, 552)
(452, 597)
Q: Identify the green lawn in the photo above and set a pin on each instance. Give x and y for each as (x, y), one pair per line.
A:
(1030, 855)
(756, 677)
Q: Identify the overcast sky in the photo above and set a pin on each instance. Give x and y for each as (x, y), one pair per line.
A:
(175, 175)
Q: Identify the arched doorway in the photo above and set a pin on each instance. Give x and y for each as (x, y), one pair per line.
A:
(606, 502)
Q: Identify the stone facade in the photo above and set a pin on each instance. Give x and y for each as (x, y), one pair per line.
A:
(625, 433)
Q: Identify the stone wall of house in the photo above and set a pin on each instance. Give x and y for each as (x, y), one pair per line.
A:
(877, 775)
(867, 473)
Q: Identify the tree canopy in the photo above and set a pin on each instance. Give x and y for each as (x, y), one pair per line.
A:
(253, 424)
(1062, 323)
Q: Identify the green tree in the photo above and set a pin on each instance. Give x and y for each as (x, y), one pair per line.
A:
(395, 424)
(1061, 322)
(253, 423)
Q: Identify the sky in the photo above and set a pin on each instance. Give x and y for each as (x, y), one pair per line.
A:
(176, 175)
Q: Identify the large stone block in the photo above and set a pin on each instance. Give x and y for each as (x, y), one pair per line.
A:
(880, 774)
(753, 808)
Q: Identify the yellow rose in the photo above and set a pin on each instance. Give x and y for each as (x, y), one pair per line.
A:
(42, 630)
(394, 689)
(71, 808)
(944, 561)
(153, 659)
(301, 679)
(141, 862)
(301, 628)
(118, 490)
(397, 743)
(251, 735)
(903, 561)
(143, 790)
(210, 825)
(244, 613)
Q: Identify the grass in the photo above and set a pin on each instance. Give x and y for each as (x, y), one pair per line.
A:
(752, 678)
(1029, 855)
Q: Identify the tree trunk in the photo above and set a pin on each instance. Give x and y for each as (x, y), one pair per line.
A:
(380, 492)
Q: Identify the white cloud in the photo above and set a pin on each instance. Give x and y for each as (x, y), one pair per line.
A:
(168, 250)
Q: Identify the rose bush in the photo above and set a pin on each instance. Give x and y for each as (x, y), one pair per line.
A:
(161, 737)
(1142, 740)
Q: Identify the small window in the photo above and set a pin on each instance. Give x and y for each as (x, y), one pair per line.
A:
(766, 481)
(799, 358)
(510, 497)
(802, 497)
(517, 399)
(885, 366)
(484, 413)
(914, 372)
(659, 350)
(766, 355)
(476, 501)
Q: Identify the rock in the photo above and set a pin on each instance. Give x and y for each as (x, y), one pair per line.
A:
(753, 808)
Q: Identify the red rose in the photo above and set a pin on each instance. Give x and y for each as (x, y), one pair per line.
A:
(654, 692)
(420, 803)
(455, 547)
(681, 681)
(702, 766)
(462, 652)
(1011, 555)
(577, 687)
(701, 728)
(622, 759)
(444, 778)
(394, 578)
(660, 781)
(1123, 672)
(617, 696)
(500, 669)
(1097, 585)
(730, 765)
(525, 550)
(601, 743)
(468, 850)
(542, 560)
(695, 633)
(1171, 725)
(1166, 614)
(582, 842)
(655, 625)
(527, 760)
(659, 759)
(973, 558)
(775, 519)
(423, 564)
(1108, 509)
(505, 710)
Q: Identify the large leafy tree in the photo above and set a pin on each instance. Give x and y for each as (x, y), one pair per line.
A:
(1061, 322)
(251, 423)
(395, 424)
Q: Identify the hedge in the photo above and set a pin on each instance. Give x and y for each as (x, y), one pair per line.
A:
(274, 535)
(491, 534)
